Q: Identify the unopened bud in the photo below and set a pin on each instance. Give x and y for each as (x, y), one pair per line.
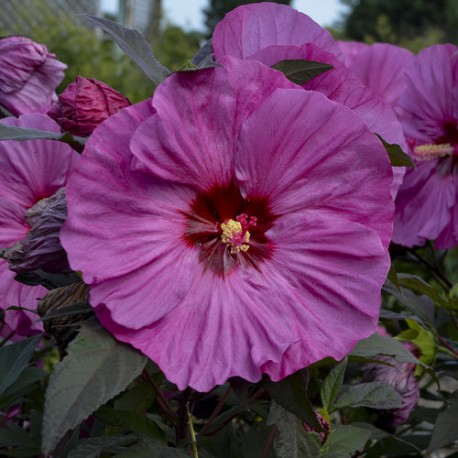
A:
(86, 103)
(41, 248)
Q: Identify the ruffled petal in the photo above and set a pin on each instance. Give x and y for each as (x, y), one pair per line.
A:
(223, 328)
(389, 80)
(448, 238)
(132, 221)
(339, 166)
(431, 97)
(250, 28)
(202, 154)
(337, 269)
(424, 205)
(15, 294)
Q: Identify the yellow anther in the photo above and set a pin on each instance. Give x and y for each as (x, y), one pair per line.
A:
(234, 236)
(428, 152)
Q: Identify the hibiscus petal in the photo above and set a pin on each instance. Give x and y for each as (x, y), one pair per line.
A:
(13, 293)
(431, 96)
(339, 166)
(389, 80)
(250, 28)
(423, 205)
(33, 169)
(13, 226)
(202, 154)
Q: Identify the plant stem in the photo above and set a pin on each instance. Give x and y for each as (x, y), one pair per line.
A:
(163, 404)
(215, 412)
(447, 346)
(192, 433)
(269, 441)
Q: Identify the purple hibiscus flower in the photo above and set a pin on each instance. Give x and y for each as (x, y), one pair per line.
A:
(30, 171)
(229, 227)
(426, 206)
(29, 75)
(270, 33)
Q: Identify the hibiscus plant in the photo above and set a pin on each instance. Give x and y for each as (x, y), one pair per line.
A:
(256, 261)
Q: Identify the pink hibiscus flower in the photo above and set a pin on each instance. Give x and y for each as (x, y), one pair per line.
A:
(426, 207)
(230, 226)
(270, 33)
(29, 172)
(29, 75)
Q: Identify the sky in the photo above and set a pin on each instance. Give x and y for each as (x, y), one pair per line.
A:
(188, 13)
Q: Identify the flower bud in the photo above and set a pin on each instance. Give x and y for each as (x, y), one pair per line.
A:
(41, 248)
(29, 75)
(84, 104)
(63, 325)
(399, 376)
(323, 423)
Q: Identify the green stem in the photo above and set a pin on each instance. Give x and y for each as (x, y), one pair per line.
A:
(192, 433)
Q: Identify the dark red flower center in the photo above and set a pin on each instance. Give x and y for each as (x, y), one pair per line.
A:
(228, 229)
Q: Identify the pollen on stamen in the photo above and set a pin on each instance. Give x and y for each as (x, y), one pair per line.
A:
(428, 152)
(235, 233)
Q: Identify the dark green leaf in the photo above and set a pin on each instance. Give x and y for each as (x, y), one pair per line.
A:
(421, 307)
(76, 309)
(14, 358)
(376, 395)
(251, 440)
(383, 345)
(95, 446)
(134, 45)
(300, 71)
(241, 389)
(138, 397)
(332, 384)
(291, 394)
(131, 421)
(393, 278)
(204, 56)
(445, 429)
(22, 386)
(397, 157)
(96, 369)
(21, 452)
(24, 134)
(344, 440)
(226, 416)
(152, 449)
(48, 280)
(380, 435)
(420, 286)
(291, 440)
(14, 436)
